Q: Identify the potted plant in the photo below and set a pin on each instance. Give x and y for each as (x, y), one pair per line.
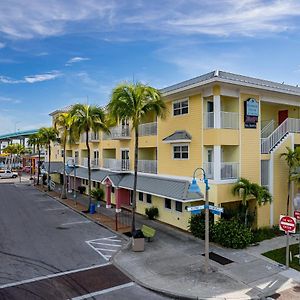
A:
(151, 212)
(81, 189)
(98, 194)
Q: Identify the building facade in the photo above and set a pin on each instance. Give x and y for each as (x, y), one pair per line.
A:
(230, 125)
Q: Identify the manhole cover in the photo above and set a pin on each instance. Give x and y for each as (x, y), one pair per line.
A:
(219, 259)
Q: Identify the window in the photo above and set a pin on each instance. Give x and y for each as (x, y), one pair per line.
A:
(168, 203)
(94, 184)
(178, 206)
(141, 196)
(98, 185)
(180, 107)
(181, 152)
(149, 198)
(112, 189)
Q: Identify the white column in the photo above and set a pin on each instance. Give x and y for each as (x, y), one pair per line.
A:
(217, 162)
(217, 111)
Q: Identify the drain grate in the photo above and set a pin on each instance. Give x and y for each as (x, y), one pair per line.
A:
(219, 259)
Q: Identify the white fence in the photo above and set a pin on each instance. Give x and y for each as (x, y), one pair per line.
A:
(229, 120)
(118, 132)
(116, 164)
(147, 166)
(94, 163)
(209, 169)
(148, 129)
(209, 120)
(229, 170)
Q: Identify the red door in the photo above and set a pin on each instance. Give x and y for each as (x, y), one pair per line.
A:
(282, 115)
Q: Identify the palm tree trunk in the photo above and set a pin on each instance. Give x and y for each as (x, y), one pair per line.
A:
(288, 197)
(246, 216)
(49, 166)
(136, 151)
(89, 167)
(64, 188)
(39, 170)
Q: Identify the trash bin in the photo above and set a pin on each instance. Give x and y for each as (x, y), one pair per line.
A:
(92, 208)
(138, 241)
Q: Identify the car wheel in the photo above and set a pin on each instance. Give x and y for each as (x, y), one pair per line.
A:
(14, 176)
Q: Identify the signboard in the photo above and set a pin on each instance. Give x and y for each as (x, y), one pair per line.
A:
(214, 209)
(251, 111)
(287, 224)
(194, 208)
(297, 215)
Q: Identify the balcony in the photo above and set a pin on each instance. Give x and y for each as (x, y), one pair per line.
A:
(71, 161)
(118, 133)
(229, 170)
(116, 164)
(147, 166)
(94, 137)
(94, 163)
(147, 129)
(229, 120)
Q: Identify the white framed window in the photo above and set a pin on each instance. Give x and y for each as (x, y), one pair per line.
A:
(141, 196)
(168, 203)
(180, 107)
(178, 206)
(181, 151)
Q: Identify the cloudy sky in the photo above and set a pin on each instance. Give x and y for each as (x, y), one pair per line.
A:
(57, 52)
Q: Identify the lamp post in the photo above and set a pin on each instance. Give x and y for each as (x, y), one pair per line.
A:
(74, 167)
(194, 188)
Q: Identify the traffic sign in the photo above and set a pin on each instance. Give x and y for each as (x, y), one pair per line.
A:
(287, 224)
(297, 215)
(194, 208)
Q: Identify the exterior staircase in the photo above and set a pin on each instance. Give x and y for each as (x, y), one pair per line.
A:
(269, 143)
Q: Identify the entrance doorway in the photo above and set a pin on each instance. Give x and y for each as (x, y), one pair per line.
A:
(282, 116)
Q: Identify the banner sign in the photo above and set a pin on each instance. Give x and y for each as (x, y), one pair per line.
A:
(251, 111)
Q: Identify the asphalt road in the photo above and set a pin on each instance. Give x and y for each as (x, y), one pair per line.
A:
(46, 251)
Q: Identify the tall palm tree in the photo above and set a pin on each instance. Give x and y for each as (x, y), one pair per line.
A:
(35, 140)
(63, 123)
(48, 135)
(248, 190)
(292, 158)
(132, 101)
(87, 118)
(11, 151)
(19, 151)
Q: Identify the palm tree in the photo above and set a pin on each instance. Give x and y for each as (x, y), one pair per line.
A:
(11, 150)
(35, 140)
(48, 135)
(87, 118)
(132, 101)
(63, 123)
(292, 158)
(248, 190)
(19, 151)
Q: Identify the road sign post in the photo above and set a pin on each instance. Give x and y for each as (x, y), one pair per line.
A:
(297, 216)
(287, 224)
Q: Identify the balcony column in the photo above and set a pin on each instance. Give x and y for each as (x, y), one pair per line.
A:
(217, 162)
(108, 195)
(217, 111)
(118, 200)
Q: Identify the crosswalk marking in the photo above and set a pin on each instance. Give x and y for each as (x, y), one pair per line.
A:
(105, 246)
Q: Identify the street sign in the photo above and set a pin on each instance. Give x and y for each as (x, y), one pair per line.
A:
(287, 224)
(195, 208)
(216, 208)
(297, 215)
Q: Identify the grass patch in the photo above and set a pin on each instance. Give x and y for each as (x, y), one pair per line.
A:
(279, 256)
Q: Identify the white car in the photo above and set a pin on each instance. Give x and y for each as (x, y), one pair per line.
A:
(8, 174)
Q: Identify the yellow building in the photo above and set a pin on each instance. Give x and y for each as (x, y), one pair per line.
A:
(231, 125)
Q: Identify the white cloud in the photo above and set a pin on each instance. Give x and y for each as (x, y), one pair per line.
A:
(9, 100)
(76, 60)
(2, 45)
(32, 78)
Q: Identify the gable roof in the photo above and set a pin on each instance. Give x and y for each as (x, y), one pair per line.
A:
(227, 77)
(178, 136)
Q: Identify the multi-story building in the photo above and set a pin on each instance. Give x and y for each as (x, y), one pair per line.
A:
(231, 125)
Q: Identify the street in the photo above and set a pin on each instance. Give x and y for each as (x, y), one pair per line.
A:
(48, 251)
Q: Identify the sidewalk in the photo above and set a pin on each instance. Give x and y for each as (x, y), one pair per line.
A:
(173, 263)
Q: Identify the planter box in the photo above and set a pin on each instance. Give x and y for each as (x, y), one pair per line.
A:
(138, 244)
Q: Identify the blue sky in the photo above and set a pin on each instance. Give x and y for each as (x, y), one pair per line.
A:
(57, 52)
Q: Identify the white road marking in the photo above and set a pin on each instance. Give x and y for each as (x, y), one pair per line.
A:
(104, 246)
(105, 291)
(57, 208)
(75, 222)
(51, 276)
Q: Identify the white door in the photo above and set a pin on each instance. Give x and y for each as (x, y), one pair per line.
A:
(125, 160)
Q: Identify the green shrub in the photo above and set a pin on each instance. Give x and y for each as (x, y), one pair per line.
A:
(197, 226)
(151, 212)
(265, 233)
(231, 234)
(98, 194)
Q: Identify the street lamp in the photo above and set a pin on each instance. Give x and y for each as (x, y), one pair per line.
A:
(74, 167)
(194, 188)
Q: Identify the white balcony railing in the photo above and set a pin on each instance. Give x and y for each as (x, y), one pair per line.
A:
(147, 166)
(209, 169)
(229, 120)
(94, 136)
(148, 129)
(72, 160)
(118, 132)
(116, 164)
(94, 163)
(229, 170)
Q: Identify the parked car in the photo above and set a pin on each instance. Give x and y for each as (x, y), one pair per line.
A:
(8, 174)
